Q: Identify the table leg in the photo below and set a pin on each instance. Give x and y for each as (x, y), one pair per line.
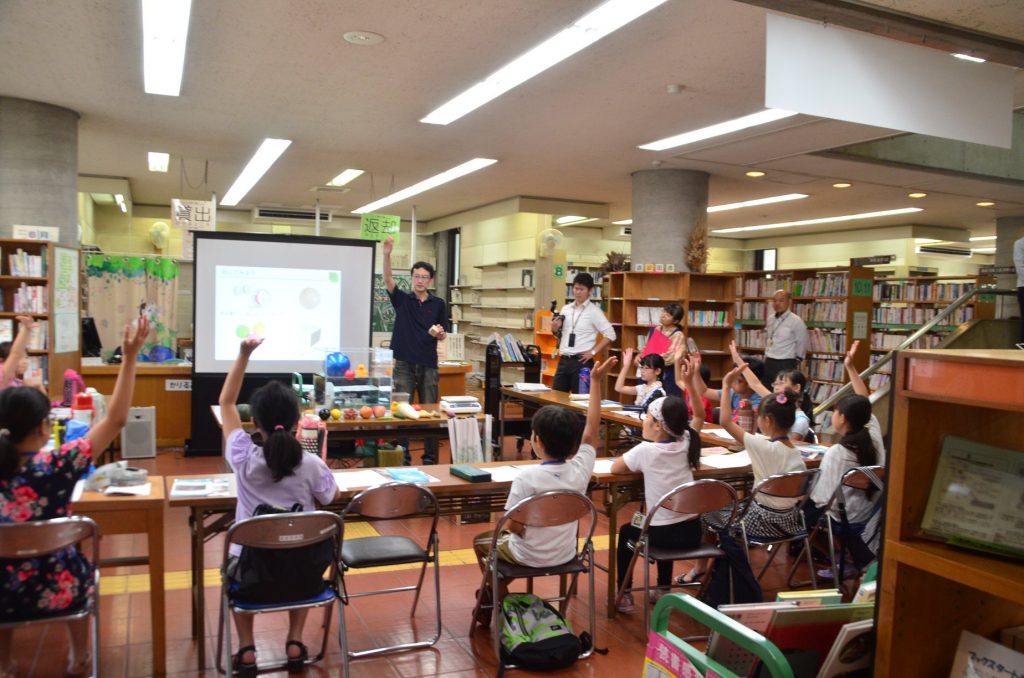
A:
(500, 453)
(613, 501)
(155, 531)
(198, 592)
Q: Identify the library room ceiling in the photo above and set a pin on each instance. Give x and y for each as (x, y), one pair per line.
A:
(276, 68)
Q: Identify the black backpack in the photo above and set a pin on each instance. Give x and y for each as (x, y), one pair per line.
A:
(535, 636)
(268, 576)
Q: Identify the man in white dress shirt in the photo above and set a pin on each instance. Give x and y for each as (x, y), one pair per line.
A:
(585, 333)
(786, 338)
(1018, 261)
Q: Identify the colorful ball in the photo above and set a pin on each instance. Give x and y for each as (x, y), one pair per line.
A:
(350, 374)
(336, 364)
(324, 414)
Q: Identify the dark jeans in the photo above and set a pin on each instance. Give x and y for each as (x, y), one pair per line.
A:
(567, 376)
(772, 367)
(1020, 300)
(422, 381)
(684, 535)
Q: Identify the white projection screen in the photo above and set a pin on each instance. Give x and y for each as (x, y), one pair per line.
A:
(305, 296)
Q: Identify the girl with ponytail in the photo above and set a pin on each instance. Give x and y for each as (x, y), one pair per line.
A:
(276, 474)
(37, 484)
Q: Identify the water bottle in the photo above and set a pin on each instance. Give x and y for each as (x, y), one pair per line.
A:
(585, 380)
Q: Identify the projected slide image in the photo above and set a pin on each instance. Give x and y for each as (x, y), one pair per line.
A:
(296, 311)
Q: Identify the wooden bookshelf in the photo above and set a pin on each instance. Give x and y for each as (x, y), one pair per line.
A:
(499, 297)
(835, 304)
(902, 305)
(930, 591)
(708, 314)
(60, 294)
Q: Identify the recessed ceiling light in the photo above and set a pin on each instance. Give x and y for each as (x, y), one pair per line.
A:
(759, 201)
(823, 220)
(568, 219)
(842, 184)
(968, 57)
(164, 33)
(427, 184)
(983, 250)
(917, 194)
(159, 162)
(605, 19)
(985, 203)
(718, 129)
(363, 38)
(623, 222)
(345, 177)
(755, 174)
(982, 237)
(265, 156)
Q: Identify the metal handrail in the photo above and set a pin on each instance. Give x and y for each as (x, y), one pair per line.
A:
(909, 341)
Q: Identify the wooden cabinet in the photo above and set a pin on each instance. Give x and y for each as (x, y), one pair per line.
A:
(42, 279)
(930, 591)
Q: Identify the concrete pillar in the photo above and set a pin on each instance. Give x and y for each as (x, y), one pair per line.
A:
(38, 167)
(1008, 231)
(668, 205)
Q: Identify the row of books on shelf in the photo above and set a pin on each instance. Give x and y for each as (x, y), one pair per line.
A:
(25, 265)
(890, 340)
(824, 341)
(36, 338)
(821, 285)
(821, 391)
(830, 369)
(31, 299)
(511, 350)
(919, 315)
(879, 380)
(573, 272)
(818, 311)
(648, 315)
(707, 318)
(595, 291)
(920, 291)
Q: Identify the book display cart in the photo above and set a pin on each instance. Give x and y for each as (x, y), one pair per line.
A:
(42, 279)
(902, 305)
(835, 304)
(931, 591)
(707, 300)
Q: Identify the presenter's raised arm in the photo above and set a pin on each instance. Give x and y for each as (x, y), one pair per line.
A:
(230, 419)
(389, 281)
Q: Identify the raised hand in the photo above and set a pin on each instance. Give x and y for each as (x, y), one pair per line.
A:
(249, 345)
(389, 245)
(131, 342)
(27, 321)
(627, 356)
(735, 353)
(602, 369)
(848, 360)
(729, 378)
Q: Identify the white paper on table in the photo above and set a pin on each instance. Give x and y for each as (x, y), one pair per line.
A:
(349, 479)
(737, 460)
(721, 434)
(76, 494)
(503, 474)
(529, 387)
(142, 490)
(603, 465)
(201, 487)
(627, 413)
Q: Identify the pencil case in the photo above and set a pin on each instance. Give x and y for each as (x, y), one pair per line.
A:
(471, 473)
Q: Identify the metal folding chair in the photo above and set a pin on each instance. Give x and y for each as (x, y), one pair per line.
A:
(391, 501)
(36, 539)
(547, 509)
(694, 499)
(279, 531)
(795, 486)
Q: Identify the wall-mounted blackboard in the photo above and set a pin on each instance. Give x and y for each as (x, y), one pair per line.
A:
(383, 311)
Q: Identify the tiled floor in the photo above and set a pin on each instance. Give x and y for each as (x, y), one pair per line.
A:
(126, 635)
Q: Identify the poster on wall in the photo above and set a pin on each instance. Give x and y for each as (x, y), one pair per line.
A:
(383, 311)
(66, 326)
(24, 232)
(194, 215)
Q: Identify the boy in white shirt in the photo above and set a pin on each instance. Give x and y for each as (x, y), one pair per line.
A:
(555, 432)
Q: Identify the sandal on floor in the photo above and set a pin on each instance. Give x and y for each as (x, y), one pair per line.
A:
(243, 669)
(691, 577)
(79, 669)
(296, 664)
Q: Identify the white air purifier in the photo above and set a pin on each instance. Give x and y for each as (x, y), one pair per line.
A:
(138, 439)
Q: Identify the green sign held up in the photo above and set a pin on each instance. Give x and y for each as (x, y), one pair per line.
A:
(379, 226)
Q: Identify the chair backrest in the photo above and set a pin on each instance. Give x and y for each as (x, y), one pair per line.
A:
(393, 500)
(284, 530)
(548, 509)
(20, 541)
(695, 498)
(794, 485)
(864, 477)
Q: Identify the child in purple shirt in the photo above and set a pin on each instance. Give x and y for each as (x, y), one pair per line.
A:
(279, 474)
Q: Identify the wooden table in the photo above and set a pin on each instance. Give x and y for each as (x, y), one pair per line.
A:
(608, 416)
(136, 515)
(173, 408)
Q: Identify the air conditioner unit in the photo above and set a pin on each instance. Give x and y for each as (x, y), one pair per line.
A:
(289, 215)
(625, 230)
(944, 249)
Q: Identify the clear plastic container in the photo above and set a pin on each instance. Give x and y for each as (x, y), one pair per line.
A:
(399, 397)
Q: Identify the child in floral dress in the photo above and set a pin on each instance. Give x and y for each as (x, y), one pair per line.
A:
(37, 484)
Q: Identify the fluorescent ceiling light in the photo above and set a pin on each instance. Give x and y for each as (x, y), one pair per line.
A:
(427, 184)
(917, 195)
(823, 220)
(569, 219)
(983, 250)
(266, 155)
(159, 162)
(927, 241)
(982, 237)
(119, 199)
(623, 222)
(985, 203)
(758, 201)
(842, 184)
(755, 174)
(968, 57)
(605, 19)
(345, 177)
(717, 130)
(164, 33)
